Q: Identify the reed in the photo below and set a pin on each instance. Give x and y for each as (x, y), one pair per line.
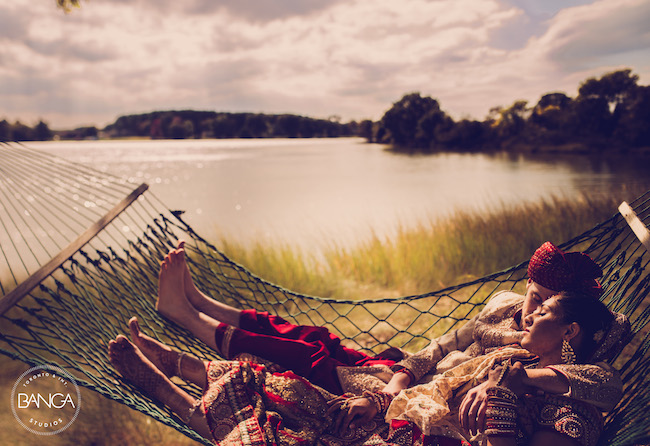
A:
(428, 255)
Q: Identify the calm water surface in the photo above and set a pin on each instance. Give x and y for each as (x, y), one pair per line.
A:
(309, 192)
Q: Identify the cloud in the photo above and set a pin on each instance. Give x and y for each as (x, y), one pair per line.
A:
(13, 22)
(26, 84)
(70, 50)
(578, 38)
(249, 10)
(268, 10)
(318, 58)
(576, 43)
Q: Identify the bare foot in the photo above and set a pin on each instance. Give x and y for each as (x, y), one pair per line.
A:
(218, 311)
(172, 302)
(136, 368)
(192, 293)
(161, 355)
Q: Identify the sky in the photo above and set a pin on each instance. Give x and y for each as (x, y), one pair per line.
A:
(318, 58)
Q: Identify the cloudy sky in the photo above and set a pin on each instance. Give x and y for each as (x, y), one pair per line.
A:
(351, 58)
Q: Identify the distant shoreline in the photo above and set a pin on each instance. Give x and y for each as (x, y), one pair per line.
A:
(565, 149)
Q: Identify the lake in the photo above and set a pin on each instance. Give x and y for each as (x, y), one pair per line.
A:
(310, 192)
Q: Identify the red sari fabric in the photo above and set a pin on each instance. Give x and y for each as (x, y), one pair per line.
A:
(311, 352)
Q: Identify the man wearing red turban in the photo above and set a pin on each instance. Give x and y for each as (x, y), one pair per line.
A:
(571, 271)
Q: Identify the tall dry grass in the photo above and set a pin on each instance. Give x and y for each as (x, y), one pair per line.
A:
(428, 255)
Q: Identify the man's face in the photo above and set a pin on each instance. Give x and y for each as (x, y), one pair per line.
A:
(535, 296)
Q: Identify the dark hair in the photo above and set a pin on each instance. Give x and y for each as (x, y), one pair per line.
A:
(590, 314)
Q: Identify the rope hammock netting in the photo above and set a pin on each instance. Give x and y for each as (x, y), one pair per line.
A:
(80, 252)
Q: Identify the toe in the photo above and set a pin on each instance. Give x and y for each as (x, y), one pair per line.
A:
(134, 326)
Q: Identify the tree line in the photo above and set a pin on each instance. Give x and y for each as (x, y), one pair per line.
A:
(209, 124)
(612, 111)
(182, 124)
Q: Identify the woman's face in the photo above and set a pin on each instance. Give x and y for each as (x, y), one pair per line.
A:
(544, 330)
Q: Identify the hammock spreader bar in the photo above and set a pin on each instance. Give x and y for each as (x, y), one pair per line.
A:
(636, 224)
(22, 290)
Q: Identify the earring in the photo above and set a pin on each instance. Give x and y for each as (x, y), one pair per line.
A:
(568, 355)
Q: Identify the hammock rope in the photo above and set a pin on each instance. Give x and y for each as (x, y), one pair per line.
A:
(68, 318)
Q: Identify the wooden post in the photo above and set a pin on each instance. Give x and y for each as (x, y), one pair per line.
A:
(22, 290)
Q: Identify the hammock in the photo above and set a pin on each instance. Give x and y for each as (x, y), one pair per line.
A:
(66, 295)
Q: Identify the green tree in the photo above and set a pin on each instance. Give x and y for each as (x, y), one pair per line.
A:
(633, 126)
(552, 110)
(288, 126)
(309, 128)
(42, 131)
(188, 128)
(402, 122)
(224, 126)
(510, 122)
(87, 132)
(463, 135)
(22, 132)
(591, 118)
(550, 119)
(614, 87)
(5, 131)
(432, 129)
(255, 126)
(177, 128)
(366, 130)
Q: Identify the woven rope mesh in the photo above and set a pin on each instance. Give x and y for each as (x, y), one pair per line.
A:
(69, 317)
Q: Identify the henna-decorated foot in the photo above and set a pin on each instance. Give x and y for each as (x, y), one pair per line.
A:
(129, 361)
(161, 355)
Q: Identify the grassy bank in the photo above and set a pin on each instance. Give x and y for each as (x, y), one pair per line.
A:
(420, 258)
(430, 254)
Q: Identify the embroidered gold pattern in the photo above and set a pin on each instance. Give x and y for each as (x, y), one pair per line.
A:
(594, 384)
(247, 405)
(579, 421)
(358, 379)
(498, 329)
(494, 329)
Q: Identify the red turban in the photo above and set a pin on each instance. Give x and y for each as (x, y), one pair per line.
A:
(559, 271)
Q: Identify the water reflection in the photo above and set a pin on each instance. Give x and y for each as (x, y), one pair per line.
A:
(308, 192)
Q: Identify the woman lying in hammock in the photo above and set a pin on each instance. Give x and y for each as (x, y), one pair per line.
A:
(255, 402)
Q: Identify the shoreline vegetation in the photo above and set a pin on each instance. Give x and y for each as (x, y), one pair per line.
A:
(428, 256)
(609, 115)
